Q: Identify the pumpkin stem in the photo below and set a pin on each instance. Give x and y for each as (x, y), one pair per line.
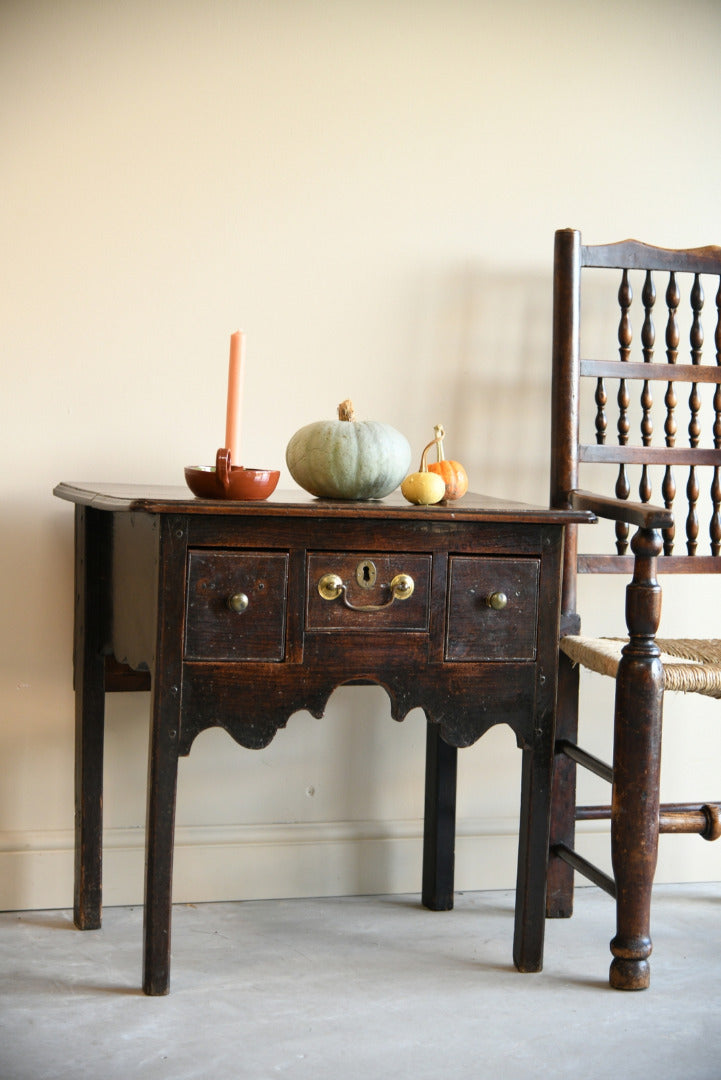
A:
(440, 432)
(346, 410)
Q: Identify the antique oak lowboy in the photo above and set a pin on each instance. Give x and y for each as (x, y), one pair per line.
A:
(240, 614)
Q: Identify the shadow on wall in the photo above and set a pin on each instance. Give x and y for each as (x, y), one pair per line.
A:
(492, 387)
(488, 374)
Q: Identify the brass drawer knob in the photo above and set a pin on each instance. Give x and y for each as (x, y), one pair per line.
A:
(402, 586)
(330, 586)
(497, 601)
(237, 603)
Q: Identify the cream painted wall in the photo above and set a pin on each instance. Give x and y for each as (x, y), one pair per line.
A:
(370, 190)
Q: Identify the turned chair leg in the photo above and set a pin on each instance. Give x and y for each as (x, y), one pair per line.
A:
(636, 768)
(634, 818)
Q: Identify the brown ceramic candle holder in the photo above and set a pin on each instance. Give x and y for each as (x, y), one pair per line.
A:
(226, 481)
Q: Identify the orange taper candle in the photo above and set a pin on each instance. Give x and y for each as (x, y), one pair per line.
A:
(234, 414)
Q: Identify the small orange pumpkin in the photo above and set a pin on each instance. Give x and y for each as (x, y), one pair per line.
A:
(452, 473)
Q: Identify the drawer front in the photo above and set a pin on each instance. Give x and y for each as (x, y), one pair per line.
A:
(236, 605)
(366, 601)
(478, 630)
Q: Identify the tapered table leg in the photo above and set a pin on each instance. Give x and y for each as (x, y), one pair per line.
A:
(439, 836)
(160, 835)
(91, 550)
(530, 915)
(163, 757)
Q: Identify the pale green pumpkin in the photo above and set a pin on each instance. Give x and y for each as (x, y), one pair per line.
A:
(348, 458)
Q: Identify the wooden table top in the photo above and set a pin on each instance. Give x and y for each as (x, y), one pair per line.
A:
(157, 499)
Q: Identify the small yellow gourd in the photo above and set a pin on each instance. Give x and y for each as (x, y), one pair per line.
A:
(424, 488)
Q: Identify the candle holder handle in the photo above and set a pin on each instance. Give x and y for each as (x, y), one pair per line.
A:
(222, 467)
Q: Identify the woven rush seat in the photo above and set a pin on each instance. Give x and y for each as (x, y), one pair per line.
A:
(689, 665)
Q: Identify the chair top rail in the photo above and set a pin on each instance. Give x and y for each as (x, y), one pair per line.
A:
(633, 255)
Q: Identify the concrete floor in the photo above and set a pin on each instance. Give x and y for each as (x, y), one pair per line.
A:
(367, 987)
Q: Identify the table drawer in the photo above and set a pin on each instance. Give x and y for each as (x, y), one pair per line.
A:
(236, 605)
(478, 630)
(367, 600)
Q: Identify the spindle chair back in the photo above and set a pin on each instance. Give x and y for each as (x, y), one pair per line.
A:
(643, 417)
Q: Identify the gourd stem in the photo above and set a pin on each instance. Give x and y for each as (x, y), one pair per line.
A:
(440, 432)
(424, 455)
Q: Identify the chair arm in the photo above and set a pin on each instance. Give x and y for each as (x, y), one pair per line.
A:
(643, 515)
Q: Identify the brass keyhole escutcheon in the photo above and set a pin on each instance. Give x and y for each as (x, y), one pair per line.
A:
(366, 574)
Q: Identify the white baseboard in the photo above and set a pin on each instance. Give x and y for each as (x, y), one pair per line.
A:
(244, 862)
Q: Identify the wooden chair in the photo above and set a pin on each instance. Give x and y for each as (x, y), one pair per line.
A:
(654, 454)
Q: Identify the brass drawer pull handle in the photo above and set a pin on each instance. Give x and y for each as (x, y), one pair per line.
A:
(497, 601)
(237, 603)
(331, 586)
